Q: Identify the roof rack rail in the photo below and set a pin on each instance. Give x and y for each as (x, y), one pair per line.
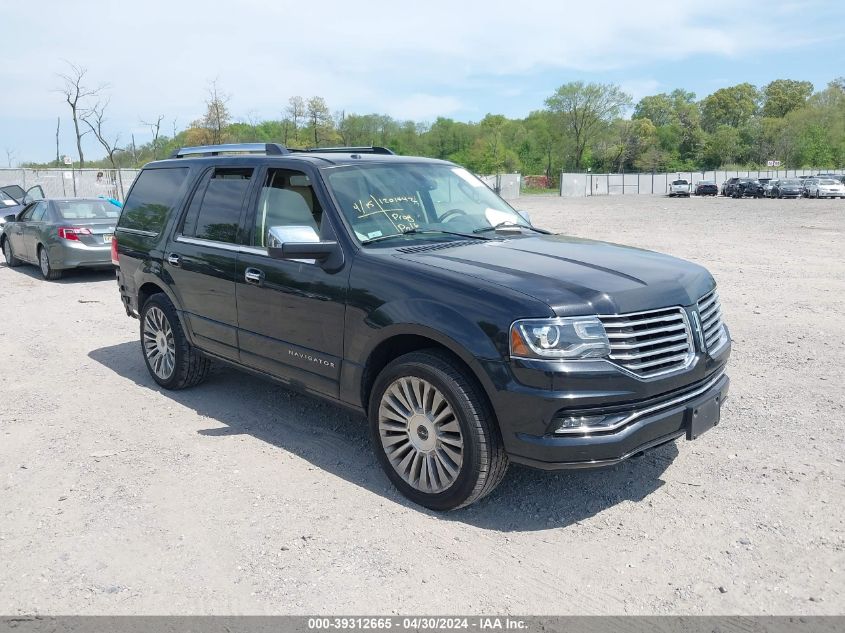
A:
(270, 149)
(369, 149)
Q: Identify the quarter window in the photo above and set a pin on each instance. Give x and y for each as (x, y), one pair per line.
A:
(215, 210)
(151, 199)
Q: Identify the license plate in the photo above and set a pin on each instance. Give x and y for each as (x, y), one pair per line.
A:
(107, 238)
(703, 417)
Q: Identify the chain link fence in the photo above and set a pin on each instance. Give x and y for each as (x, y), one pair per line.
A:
(577, 185)
(73, 183)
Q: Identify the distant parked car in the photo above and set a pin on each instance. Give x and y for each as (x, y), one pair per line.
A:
(767, 188)
(826, 188)
(13, 199)
(56, 235)
(806, 185)
(749, 188)
(728, 184)
(706, 188)
(788, 188)
(679, 187)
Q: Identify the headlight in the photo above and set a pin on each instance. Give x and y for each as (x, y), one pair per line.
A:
(568, 338)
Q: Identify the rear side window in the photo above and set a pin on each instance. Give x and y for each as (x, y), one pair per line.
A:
(153, 197)
(215, 210)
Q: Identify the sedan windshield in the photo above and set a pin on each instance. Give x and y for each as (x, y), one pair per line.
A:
(417, 201)
(791, 183)
(829, 181)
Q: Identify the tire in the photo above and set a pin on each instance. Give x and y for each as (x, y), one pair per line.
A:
(47, 271)
(8, 254)
(171, 360)
(450, 451)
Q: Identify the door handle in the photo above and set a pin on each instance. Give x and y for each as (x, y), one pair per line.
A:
(253, 276)
(174, 260)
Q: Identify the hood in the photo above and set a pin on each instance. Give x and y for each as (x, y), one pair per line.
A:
(575, 276)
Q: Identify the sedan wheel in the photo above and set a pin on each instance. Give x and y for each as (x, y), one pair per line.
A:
(47, 270)
(11, 260)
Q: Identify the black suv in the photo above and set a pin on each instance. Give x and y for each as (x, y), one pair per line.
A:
(406, 289)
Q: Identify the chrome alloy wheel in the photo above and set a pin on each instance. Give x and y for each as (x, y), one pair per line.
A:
(159, 344)
(420, 434)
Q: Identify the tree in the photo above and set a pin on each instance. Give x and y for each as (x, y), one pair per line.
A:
(583, 108)
(217, 116)
(75, 93)
(94, 119)
(155, 130)
(782, 96)
(319, 119)
(733, 106)
(656, 108)
(295, 112)
(722, 147)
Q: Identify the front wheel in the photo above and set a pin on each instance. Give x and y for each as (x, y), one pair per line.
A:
(171, 360)
(8, 254)
(47, 271)
(434, 432)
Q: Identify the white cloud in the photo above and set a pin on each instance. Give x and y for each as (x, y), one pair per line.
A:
(410, 60)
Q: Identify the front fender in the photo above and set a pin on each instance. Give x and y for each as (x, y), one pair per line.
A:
(470, 340)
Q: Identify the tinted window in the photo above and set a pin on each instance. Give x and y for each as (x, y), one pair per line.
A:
(286, 199)
(27, 214)
(215, 210)
(152, 198)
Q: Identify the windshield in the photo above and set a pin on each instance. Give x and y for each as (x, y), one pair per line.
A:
(680, 182)
(86, 210)
(791, 183)
(828, 181)
(382, 200)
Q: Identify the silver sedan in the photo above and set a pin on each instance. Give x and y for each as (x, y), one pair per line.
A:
(826, 188)
(57, 235)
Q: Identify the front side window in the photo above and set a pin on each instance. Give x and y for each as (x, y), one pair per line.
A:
(416, 200)
(286, 199)
(215, 211)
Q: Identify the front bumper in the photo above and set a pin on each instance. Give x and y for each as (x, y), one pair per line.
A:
(652, 424)
(532, 398)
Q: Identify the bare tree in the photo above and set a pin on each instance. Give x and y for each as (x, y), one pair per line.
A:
(295, 111)
(75, 92)
(155, 130)
(217, 117)
(11, 154)
(94, 119)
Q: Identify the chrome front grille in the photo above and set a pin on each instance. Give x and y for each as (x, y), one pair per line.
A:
(710, 314)
(650, 343)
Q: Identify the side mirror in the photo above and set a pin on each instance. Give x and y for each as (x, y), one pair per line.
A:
(525, 216)
(302, 244)
(10, 218)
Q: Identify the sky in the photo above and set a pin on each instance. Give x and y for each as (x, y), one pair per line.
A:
(411, 60)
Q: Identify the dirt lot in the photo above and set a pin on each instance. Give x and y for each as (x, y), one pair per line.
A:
(241, 497)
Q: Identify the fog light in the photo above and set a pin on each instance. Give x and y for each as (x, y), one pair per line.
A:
(586, 423)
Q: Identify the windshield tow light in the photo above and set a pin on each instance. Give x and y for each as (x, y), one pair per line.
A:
(565, 338)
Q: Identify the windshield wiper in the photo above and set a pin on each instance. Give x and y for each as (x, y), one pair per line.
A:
(423, 232)
(509, 224)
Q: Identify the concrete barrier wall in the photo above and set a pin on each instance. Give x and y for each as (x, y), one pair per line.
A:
(76, 183)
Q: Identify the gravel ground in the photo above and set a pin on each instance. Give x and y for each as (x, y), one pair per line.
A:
(241, 497)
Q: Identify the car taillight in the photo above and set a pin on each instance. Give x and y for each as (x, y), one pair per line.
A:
(73, 232)
(114, 257)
